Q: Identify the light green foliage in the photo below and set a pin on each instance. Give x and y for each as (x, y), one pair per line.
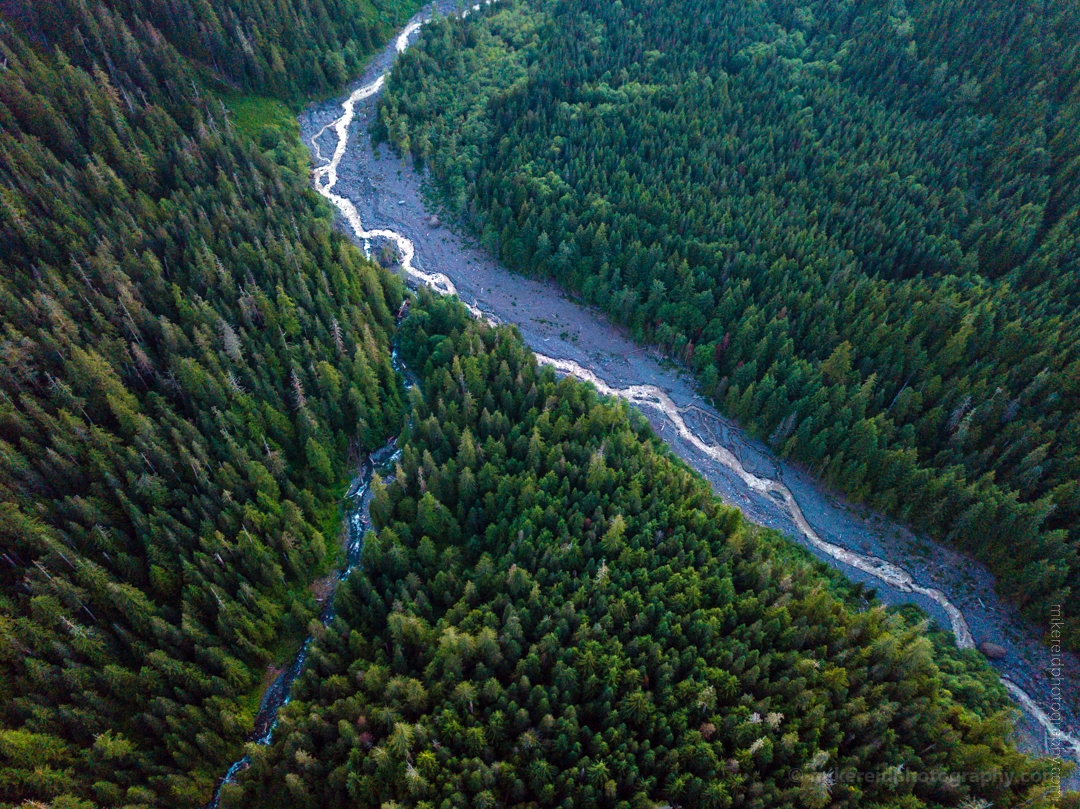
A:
(272, 124)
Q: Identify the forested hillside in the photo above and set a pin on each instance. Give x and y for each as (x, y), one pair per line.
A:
(190, 364)
(555, 612)
(857, 222)
(291, 49)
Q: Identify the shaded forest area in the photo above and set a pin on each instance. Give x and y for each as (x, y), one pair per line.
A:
(857, 223)
(191, 362)
(555, 611)
(293, 49)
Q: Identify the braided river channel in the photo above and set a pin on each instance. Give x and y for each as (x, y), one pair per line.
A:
(381, 199)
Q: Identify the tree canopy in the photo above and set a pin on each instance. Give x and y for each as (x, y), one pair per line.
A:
(190, 363)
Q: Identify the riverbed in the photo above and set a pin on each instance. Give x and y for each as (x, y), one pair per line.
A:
(381, 198)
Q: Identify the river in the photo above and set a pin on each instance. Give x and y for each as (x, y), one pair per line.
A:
(367, 185)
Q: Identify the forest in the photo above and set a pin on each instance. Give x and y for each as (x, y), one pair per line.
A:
(855, 222)
(554, 611)
(190, 362)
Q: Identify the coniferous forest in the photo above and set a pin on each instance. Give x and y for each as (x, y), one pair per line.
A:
(552, 610)
(857, 222)
(190, 361)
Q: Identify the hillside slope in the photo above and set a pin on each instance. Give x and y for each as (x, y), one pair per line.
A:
(190, 363)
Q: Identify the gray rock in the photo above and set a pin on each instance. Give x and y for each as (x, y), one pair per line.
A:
(992, 650)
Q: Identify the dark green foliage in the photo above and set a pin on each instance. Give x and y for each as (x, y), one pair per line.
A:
(857, 222)
(556, 612)
(291, 49)
(190, 366)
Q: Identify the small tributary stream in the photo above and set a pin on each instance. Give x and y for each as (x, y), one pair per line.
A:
(357, 504)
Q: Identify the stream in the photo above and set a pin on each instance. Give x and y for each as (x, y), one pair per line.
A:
(902, 567)
(278, 694)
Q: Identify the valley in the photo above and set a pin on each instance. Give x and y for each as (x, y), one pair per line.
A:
(383, 199)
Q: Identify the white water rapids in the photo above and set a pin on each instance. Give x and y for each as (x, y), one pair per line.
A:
(325, 178)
